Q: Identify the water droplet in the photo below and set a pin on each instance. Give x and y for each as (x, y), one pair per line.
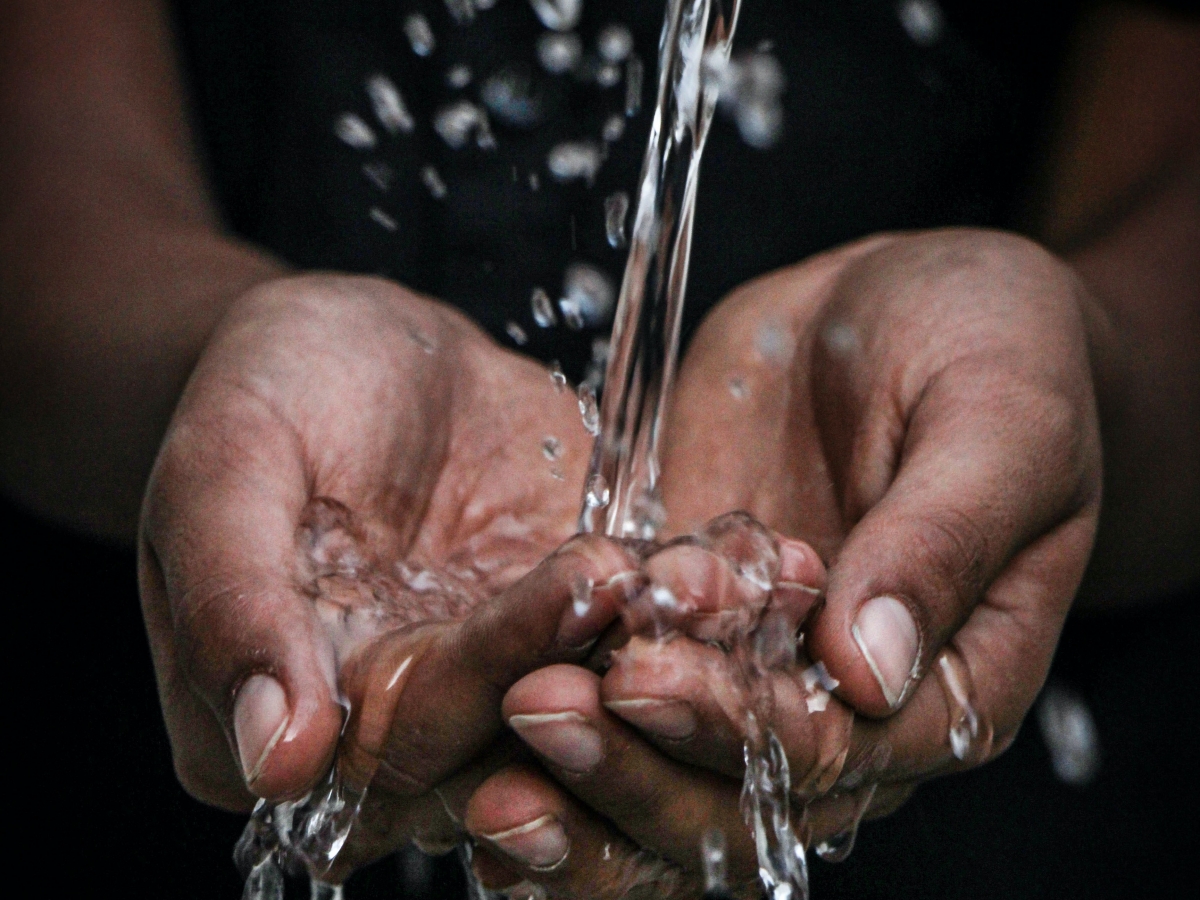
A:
(433, 182)
(462, 11)
(354, 132)
(551, 448)
(607, 76)
(922, 20)
(419, 34)
(517, 334)
(1070, 734)
(713, 857)
(572, 160)
(837, 848)
(597, 492)
(588, 296)
(389, 105)
(557, 378)
(614, 127)
(512, 96)
(616, 208)
(581, 595)
(459, 121)
(379, 174)
(543, 309)
(589, 409)
(559, 53)
(750, 87)
(535, 182)
(738, 388)
(382, 219)
(773, 341)
(634, 73)
(614, 43)
(970, 734)
(558, 15)
(458, 76)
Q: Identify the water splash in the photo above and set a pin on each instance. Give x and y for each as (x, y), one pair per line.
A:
(575, 160)
(458, 122)
(352, 131)
(516, 333)
(1070, 733)
(587, 296)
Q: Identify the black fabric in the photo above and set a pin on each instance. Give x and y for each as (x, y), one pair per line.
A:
(880, 132)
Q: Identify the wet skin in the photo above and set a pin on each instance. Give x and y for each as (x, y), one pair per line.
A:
(954, 468)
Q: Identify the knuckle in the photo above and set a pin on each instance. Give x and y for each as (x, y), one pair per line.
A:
(954, 546)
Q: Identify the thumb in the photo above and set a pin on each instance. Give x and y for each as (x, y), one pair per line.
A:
(238, 649)
(986, 468)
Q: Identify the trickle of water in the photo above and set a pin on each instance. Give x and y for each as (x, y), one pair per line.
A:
(432, 179)
(614, 43)
(589, 410)
(616, 209)
(646, 331)
(512, 97)
(559, 53)
(543, 309)
(516, 333)
(382, 219)
(614, 128)
(389, 105)
(1070, 734)
(588, 296)
(574, 160)
(461, 120)
(558, 15)
(458, 76)
(354, 132)
(419, 34)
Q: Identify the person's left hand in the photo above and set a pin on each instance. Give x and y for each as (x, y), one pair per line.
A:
(920, 410)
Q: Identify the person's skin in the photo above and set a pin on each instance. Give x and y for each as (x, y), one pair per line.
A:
(114, 275)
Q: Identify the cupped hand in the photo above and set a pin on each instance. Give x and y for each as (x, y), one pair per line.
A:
(350, 471)
(919, 409)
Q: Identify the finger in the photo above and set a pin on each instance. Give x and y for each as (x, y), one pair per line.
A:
(427, 701)
(219, 552)
(657, 802)
(969, 707)
(689, 701)
(531, 830)
(989, 464)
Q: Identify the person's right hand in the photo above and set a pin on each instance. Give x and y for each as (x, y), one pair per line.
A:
(351, 469)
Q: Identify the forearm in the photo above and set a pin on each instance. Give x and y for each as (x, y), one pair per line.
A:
(113, 268)
(1145, 272)
(1121, 202)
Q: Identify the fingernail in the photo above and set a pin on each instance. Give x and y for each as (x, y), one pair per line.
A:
(887, 636)
(670, 719)
(566, 739)
(541, 844)
(260, 717)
